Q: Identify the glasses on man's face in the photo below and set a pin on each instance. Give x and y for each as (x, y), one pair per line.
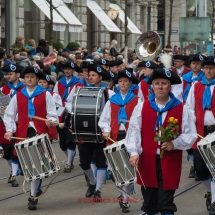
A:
(178, 61)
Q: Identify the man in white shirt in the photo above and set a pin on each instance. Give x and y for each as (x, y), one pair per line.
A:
(160, 176)
(33, 100)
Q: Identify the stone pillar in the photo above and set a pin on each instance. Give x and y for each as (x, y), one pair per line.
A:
(20, 17)
(155, 15)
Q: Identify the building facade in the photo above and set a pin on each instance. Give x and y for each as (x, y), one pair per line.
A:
(30, 19)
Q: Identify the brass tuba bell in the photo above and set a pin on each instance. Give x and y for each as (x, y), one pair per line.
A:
(148, 46)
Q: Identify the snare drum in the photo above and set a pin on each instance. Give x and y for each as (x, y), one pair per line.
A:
(118, 158)
(206, 148)
(87, 106)
(37, 157)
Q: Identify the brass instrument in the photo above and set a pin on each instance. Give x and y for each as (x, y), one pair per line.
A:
(148, 46)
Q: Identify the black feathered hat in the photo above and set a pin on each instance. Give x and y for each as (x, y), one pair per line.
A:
(31, 69)
(125, 74)
(166, 74)
(13, 68)
(47, 78)
(148, 64)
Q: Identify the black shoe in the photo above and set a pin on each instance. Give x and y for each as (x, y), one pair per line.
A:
(14, 182)
(212, 209)
(125, 207)
(192, 172)
(87, 180)
(90, 190)
(32, 204)
(208, 200)
(120, 199)
(97, 196)
(67, 168)
(196, 177)
(9, 179)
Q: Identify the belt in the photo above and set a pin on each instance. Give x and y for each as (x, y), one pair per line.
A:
(209, 127)
(158, 157)
(121, 132)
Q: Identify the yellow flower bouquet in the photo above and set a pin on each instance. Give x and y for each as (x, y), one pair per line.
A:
(168, 133)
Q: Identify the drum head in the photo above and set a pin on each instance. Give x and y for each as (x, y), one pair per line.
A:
(88, 104)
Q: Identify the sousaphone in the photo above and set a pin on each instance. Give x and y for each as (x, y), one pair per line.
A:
(148, 46)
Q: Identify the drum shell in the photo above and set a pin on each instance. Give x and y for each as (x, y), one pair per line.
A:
(118, 158)
(86, 109)
(37, 158)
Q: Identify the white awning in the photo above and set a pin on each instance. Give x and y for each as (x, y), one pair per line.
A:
(102, 16)
(74, 24)
(131, 26)
(58, 22)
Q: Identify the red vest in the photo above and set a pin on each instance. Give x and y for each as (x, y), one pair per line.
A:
(114, 117)
(52, 131)
(186, 70)
(61, 90)
(144, 89)
(171, 162)
(6, 90)
(199, 112)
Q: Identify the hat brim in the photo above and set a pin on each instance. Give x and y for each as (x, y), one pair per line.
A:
(133, 79)
(25, 71)
(158, 73)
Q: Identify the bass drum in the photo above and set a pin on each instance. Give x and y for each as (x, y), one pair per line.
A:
(88, 104)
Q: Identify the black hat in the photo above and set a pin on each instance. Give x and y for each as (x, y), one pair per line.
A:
(209, 61)
(166, 74)
(148, 64)
(197, 57)
(130, 70)
(104, 62)
(79, 69)
(13, 68)
(101, 71)
(125, 74)
(31, 69)
(158, 59)
(47, 78)
(68, 65)
(116, 63)
(180, 57)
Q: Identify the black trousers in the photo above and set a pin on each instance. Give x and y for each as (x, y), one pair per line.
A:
(88, 150)
(8, 150)
(65, 136)
(156, 199)
(201, 169)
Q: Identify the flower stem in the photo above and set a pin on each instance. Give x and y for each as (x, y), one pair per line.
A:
(162, 153)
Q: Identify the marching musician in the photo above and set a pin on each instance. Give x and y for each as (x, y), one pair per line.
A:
(14, 85)
(201, 100)
(32, 100)
(160, 176)
(195, 75)
(147, 67)
(84, 81)
(179, 68)
(89, 149)
(44, 82)
(118, 108)
(63, 87)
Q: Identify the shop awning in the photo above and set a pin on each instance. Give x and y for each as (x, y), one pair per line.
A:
(74, 24)
(102, 16)
(59, 24)
(131, 26)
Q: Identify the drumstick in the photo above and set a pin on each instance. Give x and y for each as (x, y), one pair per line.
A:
(17, 138)
(111, 140)
(201, 137)
(61, 125)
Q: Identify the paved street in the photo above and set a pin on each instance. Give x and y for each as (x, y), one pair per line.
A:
(67, 195)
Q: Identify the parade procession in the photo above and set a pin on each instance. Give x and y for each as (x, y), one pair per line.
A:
(104, 126)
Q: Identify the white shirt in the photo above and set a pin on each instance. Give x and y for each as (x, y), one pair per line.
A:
(180, 71)
(57, 100)
(105, 119)
(190, 103)
(184, 141)
(55, 90)
(11, 112)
